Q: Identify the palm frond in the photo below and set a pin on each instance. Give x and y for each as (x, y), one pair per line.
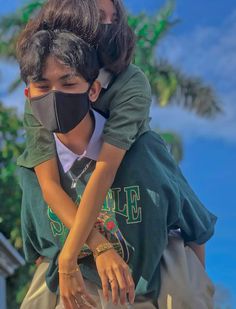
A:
(12, 25)
(171, 86)
(174, 143)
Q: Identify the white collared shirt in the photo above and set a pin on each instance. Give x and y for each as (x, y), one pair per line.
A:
(104, 78)
(68, 157)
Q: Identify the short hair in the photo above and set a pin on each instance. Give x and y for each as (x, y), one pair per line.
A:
(82, 18)
(66, 47)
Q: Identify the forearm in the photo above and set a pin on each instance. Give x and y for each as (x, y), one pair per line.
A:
(95, 238)
(61, 204)
(87, 213)
(66, 211)
(91, 201)
(58, 200)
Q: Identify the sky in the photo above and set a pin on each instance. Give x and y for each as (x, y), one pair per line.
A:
(203, 44)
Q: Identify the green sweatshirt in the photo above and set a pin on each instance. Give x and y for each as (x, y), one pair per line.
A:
(148, 198)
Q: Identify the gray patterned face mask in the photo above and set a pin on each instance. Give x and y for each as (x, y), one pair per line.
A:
(60, 112)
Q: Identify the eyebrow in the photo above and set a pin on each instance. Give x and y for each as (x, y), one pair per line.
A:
(68, 76)
(64, 77)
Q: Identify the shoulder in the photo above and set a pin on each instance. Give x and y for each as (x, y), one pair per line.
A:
(134, 75)
(132, 78)
(131, 86)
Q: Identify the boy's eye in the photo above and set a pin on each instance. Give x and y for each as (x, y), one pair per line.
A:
(69, 84)
(42, 87)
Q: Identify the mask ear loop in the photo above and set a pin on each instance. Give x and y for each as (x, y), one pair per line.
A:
(91, 83)
(89, 88)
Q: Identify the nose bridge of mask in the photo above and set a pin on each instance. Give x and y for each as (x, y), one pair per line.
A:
(71, 110)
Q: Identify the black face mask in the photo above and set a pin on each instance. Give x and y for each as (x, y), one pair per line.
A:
(108, 48)
(60, 112)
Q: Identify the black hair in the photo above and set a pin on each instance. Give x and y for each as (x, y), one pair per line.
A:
(66, 47)
(116, 47)
(82, 18)
(78, 16)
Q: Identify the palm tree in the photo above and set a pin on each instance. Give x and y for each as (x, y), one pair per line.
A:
(169, 85)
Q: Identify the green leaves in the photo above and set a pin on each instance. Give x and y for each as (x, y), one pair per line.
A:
(29, 10)
(12, 25)
(11, 145)
(174, 143)
(169, 85)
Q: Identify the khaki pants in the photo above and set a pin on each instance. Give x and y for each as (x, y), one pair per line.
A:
(184, 285)
(184, 282)
(40, 297)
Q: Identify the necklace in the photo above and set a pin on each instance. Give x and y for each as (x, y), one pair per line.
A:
(76, 178)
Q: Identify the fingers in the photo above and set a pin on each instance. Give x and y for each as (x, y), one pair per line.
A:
(126, 284)
(120, 279)
(114, 286)
(80, 301)
(105, 285)
(69, 303)
(74, 294)
(115, 273)
(121, 282)
(130, 286)
(88, 300)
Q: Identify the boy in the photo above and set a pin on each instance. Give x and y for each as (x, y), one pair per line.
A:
(141, 202)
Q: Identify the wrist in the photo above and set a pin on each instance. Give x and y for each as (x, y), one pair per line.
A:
(95, 239)
(67, 261)
(102, 248)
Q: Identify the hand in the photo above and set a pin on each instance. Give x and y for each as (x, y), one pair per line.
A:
(72, 289)
(114, 271)
(39, 260)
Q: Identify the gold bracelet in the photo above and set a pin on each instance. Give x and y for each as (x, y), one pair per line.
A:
(70, 273)
(101, 249)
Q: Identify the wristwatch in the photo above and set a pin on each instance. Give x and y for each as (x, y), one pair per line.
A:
(102, 248)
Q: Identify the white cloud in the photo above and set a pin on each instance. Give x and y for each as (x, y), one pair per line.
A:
(189, 126)
(210, 53)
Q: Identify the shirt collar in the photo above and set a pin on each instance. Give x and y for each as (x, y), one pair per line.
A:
(104, 78)
(68, 157)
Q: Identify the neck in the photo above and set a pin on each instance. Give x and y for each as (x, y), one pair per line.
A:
(77, 139)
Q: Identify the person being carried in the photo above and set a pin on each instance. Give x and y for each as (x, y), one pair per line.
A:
(142, 201)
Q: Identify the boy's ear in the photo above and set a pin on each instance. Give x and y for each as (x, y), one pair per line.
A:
(26, 91)
(94, 91)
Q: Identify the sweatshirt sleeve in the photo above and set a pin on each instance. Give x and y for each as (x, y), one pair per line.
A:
(40, 145)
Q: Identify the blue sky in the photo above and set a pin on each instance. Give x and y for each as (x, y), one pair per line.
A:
(203, 44)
